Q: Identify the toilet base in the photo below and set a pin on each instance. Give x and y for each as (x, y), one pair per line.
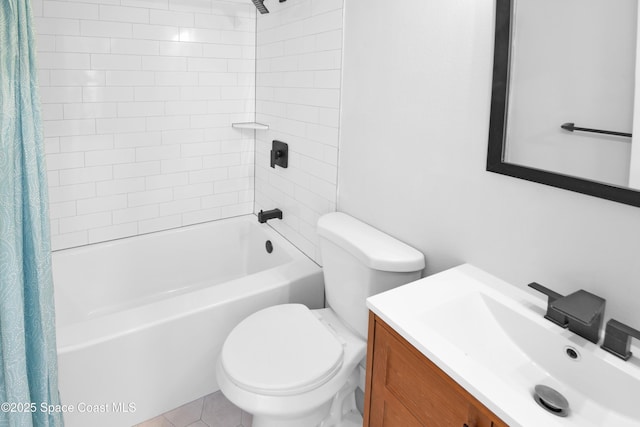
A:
(343, 404)
(340, 411)
(352, 419)
(312, 419)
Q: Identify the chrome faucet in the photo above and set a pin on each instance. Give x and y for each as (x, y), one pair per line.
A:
(582, 312)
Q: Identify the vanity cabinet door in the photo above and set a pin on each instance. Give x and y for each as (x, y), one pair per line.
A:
(405, 389)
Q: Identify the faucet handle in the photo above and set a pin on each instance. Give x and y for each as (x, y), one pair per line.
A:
(552, 314)
(617, 339)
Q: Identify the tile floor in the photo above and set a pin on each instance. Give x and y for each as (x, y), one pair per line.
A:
(213, 410)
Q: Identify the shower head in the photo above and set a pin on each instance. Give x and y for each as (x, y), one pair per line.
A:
(260, 5)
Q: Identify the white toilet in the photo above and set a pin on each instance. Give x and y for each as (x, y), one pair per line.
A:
(294, 367)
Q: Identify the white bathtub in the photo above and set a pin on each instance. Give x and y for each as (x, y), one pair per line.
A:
(140, 321)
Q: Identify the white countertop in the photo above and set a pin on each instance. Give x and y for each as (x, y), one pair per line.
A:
(414, 311)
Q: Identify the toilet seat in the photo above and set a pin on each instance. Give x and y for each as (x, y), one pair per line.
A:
(281, 350)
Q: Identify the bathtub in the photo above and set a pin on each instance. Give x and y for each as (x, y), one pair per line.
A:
(140, 321)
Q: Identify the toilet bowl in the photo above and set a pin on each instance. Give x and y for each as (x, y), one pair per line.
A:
(294, 367)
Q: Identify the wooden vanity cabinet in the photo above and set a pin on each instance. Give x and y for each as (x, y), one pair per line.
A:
(406, 389)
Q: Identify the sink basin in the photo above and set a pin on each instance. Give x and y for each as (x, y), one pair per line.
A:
(491, 338)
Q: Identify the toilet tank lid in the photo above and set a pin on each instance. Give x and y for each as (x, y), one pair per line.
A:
(372, 247)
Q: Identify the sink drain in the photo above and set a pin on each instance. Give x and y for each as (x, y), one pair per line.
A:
(572, 353)
(551, 400)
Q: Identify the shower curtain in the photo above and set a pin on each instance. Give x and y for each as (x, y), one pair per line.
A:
(28, 360)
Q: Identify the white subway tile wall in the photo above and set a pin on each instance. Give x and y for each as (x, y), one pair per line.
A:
(138, 98)
(298, 80)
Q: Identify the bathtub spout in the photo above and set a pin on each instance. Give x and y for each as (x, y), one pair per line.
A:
(264, 216)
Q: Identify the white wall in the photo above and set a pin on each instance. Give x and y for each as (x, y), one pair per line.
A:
(138, 99)
(414, 128)
(298, 95)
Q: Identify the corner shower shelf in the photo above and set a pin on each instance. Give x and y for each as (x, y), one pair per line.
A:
(250, 125)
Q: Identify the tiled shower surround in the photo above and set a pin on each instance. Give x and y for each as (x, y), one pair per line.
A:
(138, 98)
(299, 62)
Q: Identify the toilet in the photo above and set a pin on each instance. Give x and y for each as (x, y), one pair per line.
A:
(290, 366)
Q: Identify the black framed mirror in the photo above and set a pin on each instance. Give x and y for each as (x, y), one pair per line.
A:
(500, 99)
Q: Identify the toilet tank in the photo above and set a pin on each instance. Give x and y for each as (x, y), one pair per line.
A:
(359, 261)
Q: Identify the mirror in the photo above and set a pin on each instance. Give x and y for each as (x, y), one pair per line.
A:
(562, 104)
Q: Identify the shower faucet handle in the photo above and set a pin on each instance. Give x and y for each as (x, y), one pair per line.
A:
(275, 155)
(552, 314)
(279, 154)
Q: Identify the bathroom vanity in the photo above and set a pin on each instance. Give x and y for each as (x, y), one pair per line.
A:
(464, 348)
(404, 388)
